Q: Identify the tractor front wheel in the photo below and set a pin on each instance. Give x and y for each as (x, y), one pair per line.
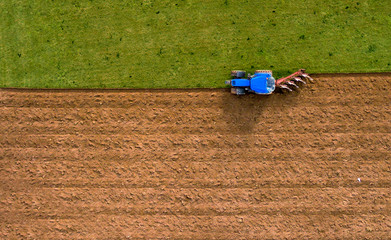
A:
(238, 73)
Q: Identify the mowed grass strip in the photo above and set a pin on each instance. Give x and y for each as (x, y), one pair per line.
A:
(185, 43)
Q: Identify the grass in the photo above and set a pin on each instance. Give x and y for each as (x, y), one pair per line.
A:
(185, 43)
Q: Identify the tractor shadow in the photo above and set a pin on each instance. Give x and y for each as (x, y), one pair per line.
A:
(245, 114)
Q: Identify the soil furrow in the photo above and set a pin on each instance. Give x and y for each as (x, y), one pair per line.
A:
(219, 227)
(377, 154)
(217, 141)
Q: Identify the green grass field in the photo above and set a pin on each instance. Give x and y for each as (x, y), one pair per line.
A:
(185, 43)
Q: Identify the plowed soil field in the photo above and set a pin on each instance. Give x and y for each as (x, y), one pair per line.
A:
(198, 164)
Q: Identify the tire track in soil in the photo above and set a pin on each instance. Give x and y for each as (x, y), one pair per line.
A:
(197, 164)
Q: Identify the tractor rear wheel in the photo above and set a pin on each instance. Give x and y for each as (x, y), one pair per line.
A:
(238, 73)
(264, 71)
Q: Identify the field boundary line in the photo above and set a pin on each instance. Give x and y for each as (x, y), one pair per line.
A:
(16, 89)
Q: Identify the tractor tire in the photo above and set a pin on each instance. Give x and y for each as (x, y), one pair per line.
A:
(264, 71)
(238, 91)
(238, 73)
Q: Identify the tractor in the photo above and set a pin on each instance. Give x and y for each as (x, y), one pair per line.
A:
(263, 82)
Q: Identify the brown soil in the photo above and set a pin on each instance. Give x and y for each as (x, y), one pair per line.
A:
(198, 164)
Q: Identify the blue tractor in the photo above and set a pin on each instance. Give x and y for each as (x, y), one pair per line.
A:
(263, 82)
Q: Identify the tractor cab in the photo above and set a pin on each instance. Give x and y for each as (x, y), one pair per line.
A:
(262, 83)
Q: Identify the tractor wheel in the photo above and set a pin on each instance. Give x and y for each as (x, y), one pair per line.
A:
(238, 73)
(238, 91)
(264, 71)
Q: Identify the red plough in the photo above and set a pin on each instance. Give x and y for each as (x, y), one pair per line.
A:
(291, 82)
